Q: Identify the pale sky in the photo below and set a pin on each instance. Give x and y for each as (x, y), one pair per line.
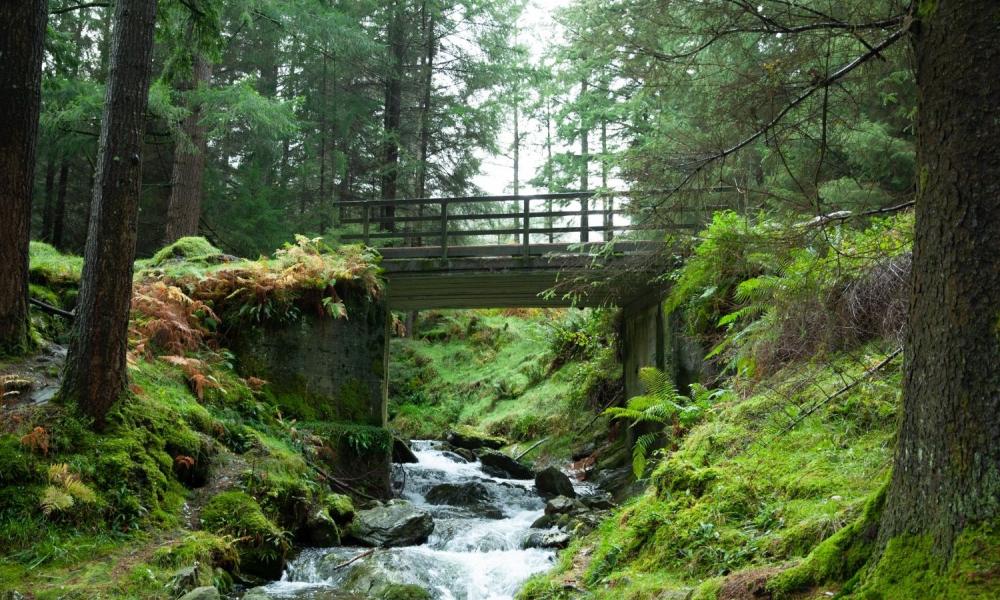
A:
(538, 30)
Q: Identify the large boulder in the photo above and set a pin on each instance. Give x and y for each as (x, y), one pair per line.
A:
(546, 539)
(202, 593)
(471, 495)
(551, 482)
(401, 452)
(561, 505)
(396, 523)
(471, 440)
(499, 464)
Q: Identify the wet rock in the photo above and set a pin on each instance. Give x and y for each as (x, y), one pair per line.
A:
(584, 451)
(499, 464)
(598, 502)
(257, 593)
(470, 495)
(552, 482)
(401, 452)
(202, 593)
(186, 579)
(404, 591)
(546, 539)
(396, 523)
(473, 441)
(389, 576)
(561, 505)
(456, 457)
(544, 522)
(321, 529)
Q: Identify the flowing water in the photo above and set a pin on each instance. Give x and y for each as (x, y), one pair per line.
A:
(470, 556)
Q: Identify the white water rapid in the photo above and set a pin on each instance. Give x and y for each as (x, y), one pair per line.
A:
(468, 557)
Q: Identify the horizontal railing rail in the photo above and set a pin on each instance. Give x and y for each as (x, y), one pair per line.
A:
(501, 216)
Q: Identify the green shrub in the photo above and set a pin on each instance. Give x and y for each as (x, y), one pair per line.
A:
(261, 544)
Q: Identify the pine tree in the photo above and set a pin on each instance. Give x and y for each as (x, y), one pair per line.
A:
(20, 93)
(95, 375)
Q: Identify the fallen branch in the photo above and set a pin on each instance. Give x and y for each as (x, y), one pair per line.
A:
(52, 310)
(532, 447)
(850, 386)
(355, 559)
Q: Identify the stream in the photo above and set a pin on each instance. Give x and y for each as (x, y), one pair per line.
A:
(474, 553)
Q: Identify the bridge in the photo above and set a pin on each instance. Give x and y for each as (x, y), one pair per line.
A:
(507, 251)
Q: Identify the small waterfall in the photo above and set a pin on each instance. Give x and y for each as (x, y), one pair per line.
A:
(472, 554)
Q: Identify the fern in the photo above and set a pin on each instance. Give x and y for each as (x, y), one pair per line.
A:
(64, 490)
(56, 500)
(661, 405)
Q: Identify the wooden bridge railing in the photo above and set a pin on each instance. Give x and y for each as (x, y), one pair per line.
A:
(443, 219)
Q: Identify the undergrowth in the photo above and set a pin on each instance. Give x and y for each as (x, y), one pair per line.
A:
(520, 375)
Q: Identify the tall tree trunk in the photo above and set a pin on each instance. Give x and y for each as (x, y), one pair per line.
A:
(48, 208)
(95, 368)
(548, 163)
(947, 466)
(59, 212)
(186, 179)
(20, 93)
(393, 116)
(430, 53)
(584, 168)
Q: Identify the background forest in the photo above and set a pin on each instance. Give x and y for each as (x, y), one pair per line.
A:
(264, 115)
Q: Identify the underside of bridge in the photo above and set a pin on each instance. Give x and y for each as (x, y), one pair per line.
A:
(419, 278)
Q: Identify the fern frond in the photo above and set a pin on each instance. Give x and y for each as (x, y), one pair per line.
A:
(55, 500)
(640, 453)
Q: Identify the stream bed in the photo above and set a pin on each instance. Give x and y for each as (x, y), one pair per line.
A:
(474, 553)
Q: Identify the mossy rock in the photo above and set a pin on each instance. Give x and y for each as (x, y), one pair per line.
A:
(190, 249)
(404, 592)
(340, 507)
(261, 544)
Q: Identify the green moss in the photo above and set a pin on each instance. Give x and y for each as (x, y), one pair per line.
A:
(837, 558)
(354, 401)
(341, 507)
(404, 592)
(708, 590)
(197, 547)
(261, 544)
(190, 249)
(49, 267)
(909, 567)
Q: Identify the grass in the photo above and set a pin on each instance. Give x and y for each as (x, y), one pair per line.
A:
(491, 371)
(118, 527)
(746, 489)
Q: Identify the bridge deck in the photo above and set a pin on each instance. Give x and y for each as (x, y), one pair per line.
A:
(460, 271)
(481, 277)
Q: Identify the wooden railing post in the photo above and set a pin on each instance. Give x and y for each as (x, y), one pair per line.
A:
(584, 218)
(609, 219)
(366, 217)
(444, 230)
(527, 228)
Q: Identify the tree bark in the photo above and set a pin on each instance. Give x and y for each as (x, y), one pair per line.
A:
(947, 466)
(59, 212)
(184, 209)
(96, 374)
(20, 94)
(393, 116)
(48, 207)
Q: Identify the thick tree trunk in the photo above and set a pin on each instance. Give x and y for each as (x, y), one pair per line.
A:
(184, 210)
(947, 466)
(20, 93)
(95, 369)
